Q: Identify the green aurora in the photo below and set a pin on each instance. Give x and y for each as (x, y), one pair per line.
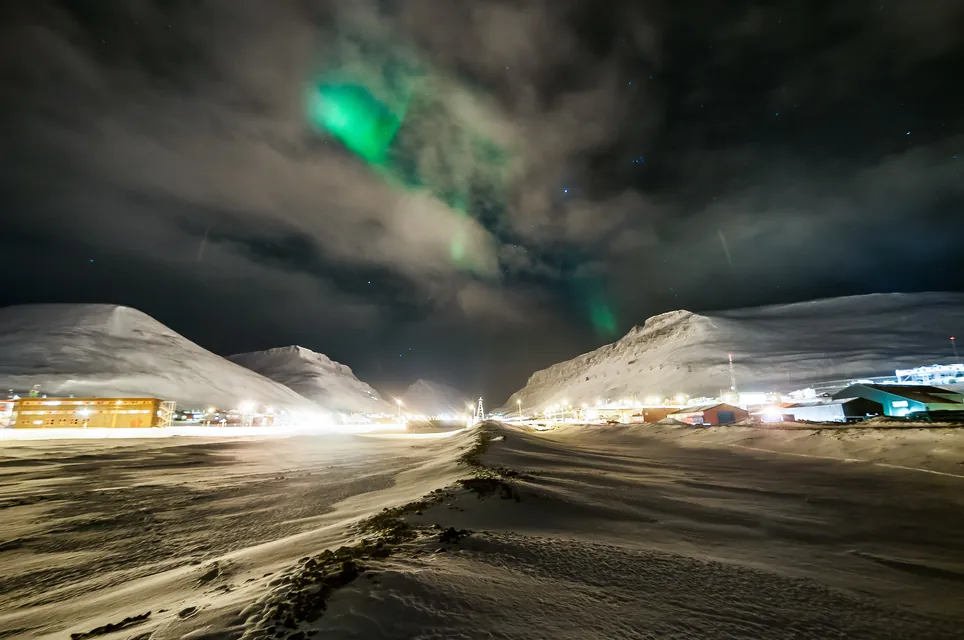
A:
(408, 137)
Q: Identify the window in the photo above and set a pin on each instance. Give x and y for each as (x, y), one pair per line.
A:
(898, 404)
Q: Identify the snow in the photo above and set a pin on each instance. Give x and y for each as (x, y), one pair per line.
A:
(618, 532)
(620, 535)
(316, 377)
(781, 347)
(92, 532)
(429, 398)
(108, 350)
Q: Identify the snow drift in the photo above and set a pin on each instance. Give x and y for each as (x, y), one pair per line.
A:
(434, 398)
(108, 350)
(316, 377)
(778, 347)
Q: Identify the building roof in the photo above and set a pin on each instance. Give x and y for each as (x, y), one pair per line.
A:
(703, 408)
(819, 402)
(925, 394)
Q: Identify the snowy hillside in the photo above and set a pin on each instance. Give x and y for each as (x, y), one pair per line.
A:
(316, 377)
(779, 347)
(434, 398)
(106, 350)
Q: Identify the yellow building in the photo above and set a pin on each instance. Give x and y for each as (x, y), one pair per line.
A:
(94, 413)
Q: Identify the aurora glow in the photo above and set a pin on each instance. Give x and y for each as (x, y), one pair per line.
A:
(352, 114)
(404, 125)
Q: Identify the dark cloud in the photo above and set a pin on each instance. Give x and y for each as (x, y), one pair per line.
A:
(697, 154)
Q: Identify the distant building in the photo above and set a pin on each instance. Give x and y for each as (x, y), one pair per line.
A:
(714, 414)
(94, 413)
(908, 400)
(933, 374)
(834, 410)
(653, 414)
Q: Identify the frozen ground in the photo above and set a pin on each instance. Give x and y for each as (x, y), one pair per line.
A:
(92, 532)
(613, 533)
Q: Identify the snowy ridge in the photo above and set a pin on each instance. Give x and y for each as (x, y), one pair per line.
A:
(108, 350)
(774, 347)
(316, 377)
(434, 398)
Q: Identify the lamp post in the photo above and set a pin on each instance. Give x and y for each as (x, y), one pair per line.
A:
(954, 346)
(400, 403)
(519, 402)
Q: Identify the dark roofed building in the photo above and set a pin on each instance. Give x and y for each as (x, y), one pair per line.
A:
(712, 414)
(899, 400)
(834, 410)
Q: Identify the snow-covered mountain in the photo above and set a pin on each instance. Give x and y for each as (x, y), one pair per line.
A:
(107, 350)
(775, 347)
(434, 398)
(316, 377)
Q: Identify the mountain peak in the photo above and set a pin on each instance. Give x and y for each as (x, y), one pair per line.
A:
(315, 376)
(778, 347)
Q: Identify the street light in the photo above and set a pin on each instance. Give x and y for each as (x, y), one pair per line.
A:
(519, 402)
(400, 403)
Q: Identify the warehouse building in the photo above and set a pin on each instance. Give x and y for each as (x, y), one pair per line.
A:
(94, 413)
(900, 400)
(711, 415)
(833, 410)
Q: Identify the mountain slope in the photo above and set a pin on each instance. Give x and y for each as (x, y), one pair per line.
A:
(316, 377)
(434, 398)
(775, 347)
(107, 350)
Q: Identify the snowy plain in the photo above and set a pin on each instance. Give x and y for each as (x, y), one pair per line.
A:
(612, 532)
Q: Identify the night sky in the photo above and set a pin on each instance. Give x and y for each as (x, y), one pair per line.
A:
(469, 191)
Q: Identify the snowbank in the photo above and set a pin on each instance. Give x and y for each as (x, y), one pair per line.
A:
(923, 448)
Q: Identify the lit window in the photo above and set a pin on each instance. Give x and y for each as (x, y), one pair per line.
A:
(898, 403)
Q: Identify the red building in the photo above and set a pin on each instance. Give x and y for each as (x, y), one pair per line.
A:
(714, 414)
